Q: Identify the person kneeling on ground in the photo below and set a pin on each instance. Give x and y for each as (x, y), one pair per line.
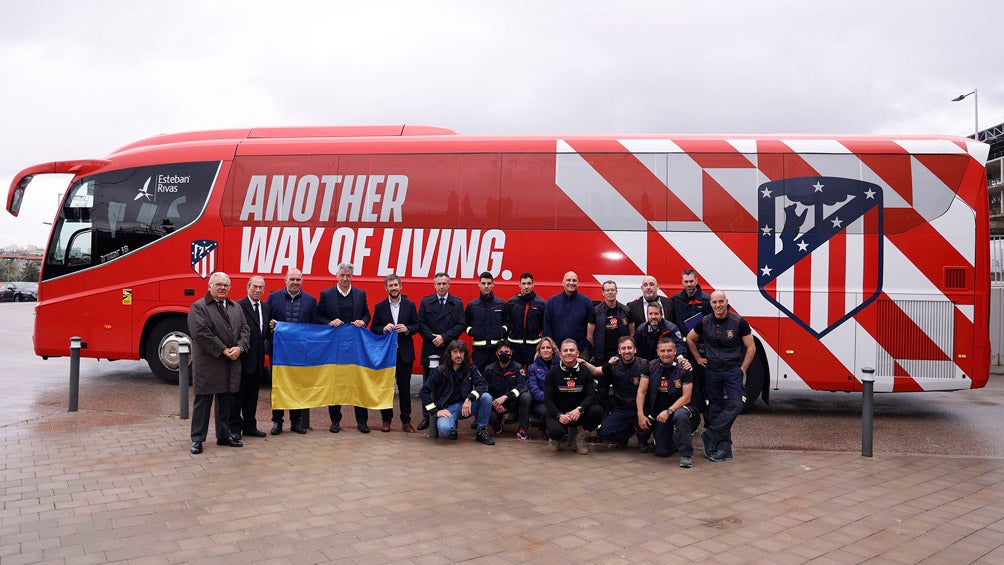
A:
(664, 404)
(568, 396)
(456, 390)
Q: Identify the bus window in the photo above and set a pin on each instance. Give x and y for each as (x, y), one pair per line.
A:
(111, 214)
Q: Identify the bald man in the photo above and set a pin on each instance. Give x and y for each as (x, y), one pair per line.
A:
(569, 314)
(650, 295)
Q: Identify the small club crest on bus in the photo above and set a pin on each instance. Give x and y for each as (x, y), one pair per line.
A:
(204, 257)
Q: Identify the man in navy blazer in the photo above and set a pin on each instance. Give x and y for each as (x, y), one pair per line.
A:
(344, 304)
(398, 314)
(441, 320)
(291, 304)
(253, 370)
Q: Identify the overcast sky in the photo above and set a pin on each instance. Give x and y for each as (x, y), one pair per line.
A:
(83, 78)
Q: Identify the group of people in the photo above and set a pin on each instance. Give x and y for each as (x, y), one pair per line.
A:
(650, 368)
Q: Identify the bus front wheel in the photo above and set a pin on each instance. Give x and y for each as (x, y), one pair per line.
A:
(162, 348)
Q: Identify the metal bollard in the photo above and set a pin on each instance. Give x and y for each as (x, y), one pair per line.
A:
(433, 420)
(74, 372)
(867, 409)
(184, 349)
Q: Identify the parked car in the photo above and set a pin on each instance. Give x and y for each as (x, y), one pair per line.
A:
(14, 294)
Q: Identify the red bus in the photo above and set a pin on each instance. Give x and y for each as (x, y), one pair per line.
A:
(843, 252)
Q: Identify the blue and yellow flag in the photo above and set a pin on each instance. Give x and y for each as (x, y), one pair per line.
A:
(317, 365)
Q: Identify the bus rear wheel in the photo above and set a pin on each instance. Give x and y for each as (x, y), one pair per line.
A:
(162, 348)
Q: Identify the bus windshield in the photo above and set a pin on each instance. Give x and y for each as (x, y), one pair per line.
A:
(108, 215)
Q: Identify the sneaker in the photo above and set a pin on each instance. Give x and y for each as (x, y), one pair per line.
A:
(497, 430)
(483, 437)
(709, 446)
(686, 462)
(644, 447)
(720, 455)
(453, 435)
(621, 444)
(522, 435)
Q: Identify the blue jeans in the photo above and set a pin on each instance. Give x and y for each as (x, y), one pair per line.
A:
(721, 412)
(481, 409)
(619, 424)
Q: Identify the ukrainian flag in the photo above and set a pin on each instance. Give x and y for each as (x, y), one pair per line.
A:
(317, 365)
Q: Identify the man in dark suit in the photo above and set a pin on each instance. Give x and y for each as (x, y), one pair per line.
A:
(291, 304)
(440, 321)
(398, 314)
(253, 361)
(344, 304)
(219, 338)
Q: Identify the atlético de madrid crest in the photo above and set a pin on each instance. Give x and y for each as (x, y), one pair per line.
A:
(819, 255)
(204, 257)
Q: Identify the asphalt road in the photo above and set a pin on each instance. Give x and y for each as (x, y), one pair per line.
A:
(948, 423)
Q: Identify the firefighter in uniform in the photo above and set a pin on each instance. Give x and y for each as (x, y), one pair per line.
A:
(524, 321)
(664, 404)
(728, 352)
(483, 319)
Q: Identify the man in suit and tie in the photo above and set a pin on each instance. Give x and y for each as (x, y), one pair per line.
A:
(344, 304)
(219, 338)
(253, 361)
(440, 321)
(291, 304)
(398, 314)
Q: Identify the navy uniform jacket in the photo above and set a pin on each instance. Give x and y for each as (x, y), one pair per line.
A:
(408, 316)
(446, 320)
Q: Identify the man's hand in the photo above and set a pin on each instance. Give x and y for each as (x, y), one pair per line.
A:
(444, 413)
(437, 340)
(232, 353)
(702, 361)
(335, 323)
(465, 410)
(358, 323)
(401, 329)
(642, 422)
(568, 417)
(663, 416)
(684, 363)
(498, 403)
(389, 328)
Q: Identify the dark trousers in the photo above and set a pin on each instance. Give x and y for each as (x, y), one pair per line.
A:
(295, 417)
(335, 413)
(722, 411)
(588, 421)
(402, 375)
(519, 405)
(226, 403)
(675, 435)
(524, 353)
(483, 356)
(539, 412)
(620, 424)
(243, 418)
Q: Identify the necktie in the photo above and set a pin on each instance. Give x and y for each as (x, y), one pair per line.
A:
(257, 314)
(442, 301)
(223, 310)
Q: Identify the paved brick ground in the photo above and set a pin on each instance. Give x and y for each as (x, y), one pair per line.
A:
(99, 487)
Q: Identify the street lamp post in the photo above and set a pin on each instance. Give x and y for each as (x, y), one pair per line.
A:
(976, 107)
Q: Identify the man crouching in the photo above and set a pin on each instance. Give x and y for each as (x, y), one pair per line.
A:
(456, 390)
